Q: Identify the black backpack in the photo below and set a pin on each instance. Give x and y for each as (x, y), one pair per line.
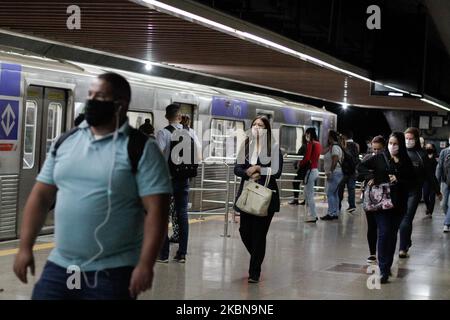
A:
(348, 164)
(182, 170)
(136, 144)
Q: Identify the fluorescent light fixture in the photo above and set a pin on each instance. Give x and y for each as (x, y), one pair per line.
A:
(345, 106)
(395, 94)
(148, 66)
(396, 89)
(248, 36)
(435, 104)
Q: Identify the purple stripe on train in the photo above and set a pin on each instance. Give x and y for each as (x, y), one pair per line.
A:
(290, 116)
(224, 107)
(10, 75)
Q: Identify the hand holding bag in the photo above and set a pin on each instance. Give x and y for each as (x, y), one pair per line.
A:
(255, 198)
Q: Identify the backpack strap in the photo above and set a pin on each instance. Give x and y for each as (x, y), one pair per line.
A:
(63, 138)
(170, 128)
(136, 145)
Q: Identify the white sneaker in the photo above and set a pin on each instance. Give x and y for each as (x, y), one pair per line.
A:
(446, 228)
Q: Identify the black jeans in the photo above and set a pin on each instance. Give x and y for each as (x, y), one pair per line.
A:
(372, 232)
(253, 232)
(429, 196)
(388, 222)
(406, 225)
(296, 186)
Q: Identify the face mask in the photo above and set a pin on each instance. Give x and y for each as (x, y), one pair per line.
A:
(393, 150)
(98, 112)
(410, 143)
(430, 151)
(308, 138)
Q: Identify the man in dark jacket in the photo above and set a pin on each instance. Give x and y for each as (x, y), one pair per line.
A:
(349, 180)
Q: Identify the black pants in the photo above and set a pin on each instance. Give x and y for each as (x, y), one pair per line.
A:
(372, 233)
(429, 196)
(253, 232)
(296, 186)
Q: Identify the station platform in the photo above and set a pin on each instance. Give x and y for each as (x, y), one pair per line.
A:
(322, 261)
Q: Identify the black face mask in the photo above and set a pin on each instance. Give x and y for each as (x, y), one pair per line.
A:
(98, 112)
(430, 151)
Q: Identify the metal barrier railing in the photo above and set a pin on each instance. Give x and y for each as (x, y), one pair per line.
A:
(202, 189)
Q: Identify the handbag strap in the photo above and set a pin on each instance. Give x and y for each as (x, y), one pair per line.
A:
(269, 173)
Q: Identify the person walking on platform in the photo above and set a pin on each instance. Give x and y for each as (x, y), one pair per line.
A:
(349, 180)
(377, 146)
(395, 168)
(311, 161)
(423, 171)
(429, 194)
(333, 158)
(103, 237)
(147, 128)
(168, 140)
(259, 158)
(443, 175)
(296, 184)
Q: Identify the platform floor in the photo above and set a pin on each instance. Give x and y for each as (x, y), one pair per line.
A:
(326, 260)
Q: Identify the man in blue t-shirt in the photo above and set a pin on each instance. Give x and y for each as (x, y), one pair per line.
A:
(109, 221)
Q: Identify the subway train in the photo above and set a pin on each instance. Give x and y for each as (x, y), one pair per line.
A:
(40, 98)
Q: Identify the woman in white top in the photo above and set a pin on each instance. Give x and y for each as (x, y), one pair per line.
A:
(332, 165)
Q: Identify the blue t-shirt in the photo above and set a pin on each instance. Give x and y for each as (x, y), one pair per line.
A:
(81, 172)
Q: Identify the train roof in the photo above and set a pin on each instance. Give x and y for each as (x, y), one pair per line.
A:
(30, 60)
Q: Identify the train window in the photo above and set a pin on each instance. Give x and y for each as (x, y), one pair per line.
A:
(222, 131)
(54, 119)
(29, 144)
(137, 119)
(291, 138)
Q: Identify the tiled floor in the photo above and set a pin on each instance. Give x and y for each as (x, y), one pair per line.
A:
(303, 261)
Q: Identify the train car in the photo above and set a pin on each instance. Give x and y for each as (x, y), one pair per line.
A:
(40, 97)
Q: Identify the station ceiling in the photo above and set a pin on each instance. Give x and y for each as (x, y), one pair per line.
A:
(132, 30)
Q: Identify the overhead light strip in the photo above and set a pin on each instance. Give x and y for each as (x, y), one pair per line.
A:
(435, 104)
(245, 35)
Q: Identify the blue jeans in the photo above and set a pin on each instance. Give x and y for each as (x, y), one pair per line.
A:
(350, 182)
(309, 191)
(333, 192)
(112, 284)
(388, 222)
(181, 197)
(446, 204)
(406, 224)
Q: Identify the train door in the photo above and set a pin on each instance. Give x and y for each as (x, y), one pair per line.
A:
(317, 124)
(45, 120)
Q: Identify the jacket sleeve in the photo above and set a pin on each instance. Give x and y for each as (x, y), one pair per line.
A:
(430, 175)
(241, 165)
(440, 166)
(366, 168)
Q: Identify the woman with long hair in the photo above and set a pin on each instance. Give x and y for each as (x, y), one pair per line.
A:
(333, 158)
(311, 159)
(259, 156)
(394, 167)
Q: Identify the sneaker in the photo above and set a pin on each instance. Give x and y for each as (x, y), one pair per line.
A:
(302, 203)
(403, 254)
(293, 202)
(180, 258)
(327, 217)
(372, 260)
(311, 219)
(384, 279)
(162, 260)
(334, 217)
(351, 210)
(253, 280)
(446, 228)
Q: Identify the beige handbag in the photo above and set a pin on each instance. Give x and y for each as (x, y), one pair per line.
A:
(255, 198)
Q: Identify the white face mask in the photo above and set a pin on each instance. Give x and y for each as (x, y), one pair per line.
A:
(393, 150)
(410, 143)
(307, 138)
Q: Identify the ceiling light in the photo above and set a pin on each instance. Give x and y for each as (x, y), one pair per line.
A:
(435, 104)
(148, 66)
